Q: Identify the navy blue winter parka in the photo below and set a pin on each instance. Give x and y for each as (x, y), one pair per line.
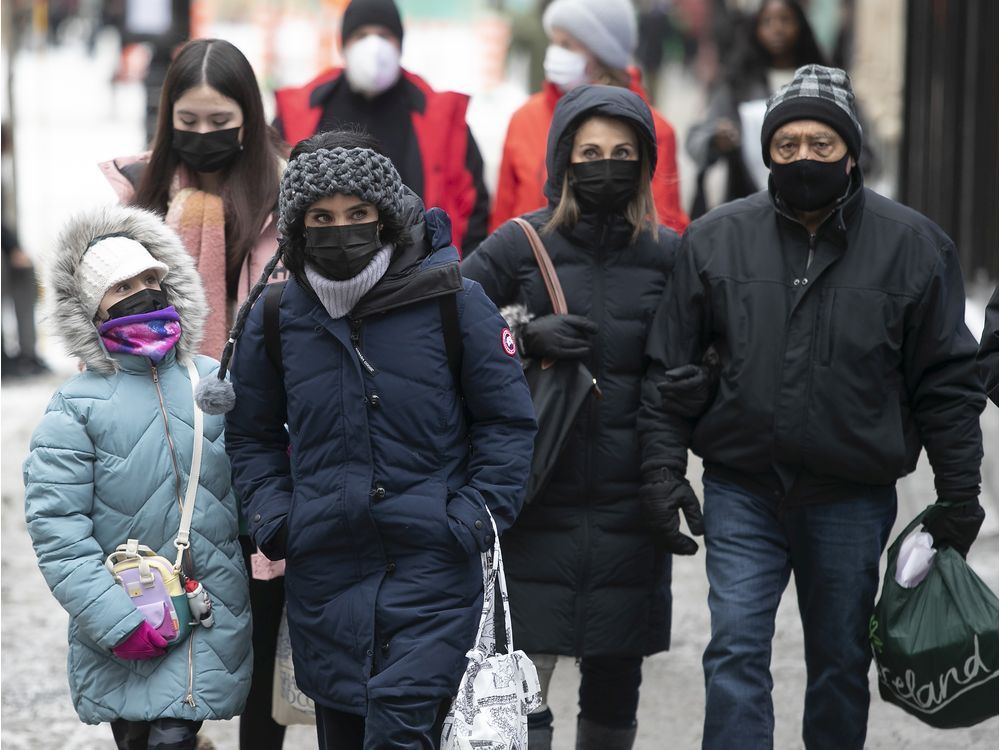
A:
(383, 493)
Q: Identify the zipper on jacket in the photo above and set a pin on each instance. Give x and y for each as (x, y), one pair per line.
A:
(598, 318)
(812, 252)
(356, 342)
(189, 698)
(170, 439)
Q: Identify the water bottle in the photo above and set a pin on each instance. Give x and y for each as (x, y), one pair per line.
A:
(199, 603)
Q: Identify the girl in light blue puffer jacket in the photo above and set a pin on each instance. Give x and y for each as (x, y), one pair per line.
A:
(110, 462)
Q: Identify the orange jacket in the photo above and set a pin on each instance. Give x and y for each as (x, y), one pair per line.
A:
(522, 168)
(442, 136)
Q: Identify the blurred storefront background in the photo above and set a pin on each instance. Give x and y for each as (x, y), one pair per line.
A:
(925, 72)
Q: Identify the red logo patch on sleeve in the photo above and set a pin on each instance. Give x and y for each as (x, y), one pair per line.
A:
(507, 341)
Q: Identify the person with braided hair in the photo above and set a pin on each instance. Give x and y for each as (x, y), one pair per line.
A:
(377, 418)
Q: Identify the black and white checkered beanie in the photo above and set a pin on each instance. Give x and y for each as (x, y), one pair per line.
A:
(360, 172)
(815, 93)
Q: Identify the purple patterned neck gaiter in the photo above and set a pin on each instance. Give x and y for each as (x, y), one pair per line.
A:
(151, 334)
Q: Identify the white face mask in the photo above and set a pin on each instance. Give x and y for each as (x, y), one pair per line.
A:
(565, 68)
(371, 65)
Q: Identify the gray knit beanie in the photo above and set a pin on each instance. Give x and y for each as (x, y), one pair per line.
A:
(815, 93)
(605, 27)
(360, 172)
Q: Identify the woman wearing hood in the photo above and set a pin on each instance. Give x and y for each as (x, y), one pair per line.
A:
(588, 565)
(380, 419)
(110, 462)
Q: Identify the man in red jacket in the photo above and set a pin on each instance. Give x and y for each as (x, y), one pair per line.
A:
(590, 41)
(422, 130)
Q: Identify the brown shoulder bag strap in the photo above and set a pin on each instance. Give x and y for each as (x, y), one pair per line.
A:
(552, 284)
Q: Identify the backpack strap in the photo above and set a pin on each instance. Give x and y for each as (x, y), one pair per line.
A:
(452, 335)
(272, 324)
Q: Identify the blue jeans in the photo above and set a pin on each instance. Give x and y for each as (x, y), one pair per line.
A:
(833, 549)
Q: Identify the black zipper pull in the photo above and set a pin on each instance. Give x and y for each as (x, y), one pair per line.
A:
(356, 341)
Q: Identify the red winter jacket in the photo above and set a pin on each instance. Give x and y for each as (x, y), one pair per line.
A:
(522, 169)
(444, 139)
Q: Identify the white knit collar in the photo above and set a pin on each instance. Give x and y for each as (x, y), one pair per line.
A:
(340, 297)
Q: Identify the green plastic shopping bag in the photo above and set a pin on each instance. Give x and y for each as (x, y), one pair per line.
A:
(935, 645)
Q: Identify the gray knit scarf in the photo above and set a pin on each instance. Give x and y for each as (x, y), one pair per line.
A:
(340, 297)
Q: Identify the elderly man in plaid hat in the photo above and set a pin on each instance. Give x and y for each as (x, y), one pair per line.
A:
(838, 317)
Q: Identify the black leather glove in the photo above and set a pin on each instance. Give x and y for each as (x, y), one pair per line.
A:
(688, 390)
(557, 337)
(659, 503)
(955, 526)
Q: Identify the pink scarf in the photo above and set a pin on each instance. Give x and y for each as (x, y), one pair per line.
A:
(200, 221)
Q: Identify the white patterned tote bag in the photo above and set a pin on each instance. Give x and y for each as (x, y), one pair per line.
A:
(498, 690)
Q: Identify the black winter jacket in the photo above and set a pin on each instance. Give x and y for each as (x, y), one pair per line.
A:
(584, 576)
(833, 373)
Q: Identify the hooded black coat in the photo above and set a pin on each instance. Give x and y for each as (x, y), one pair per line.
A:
(584, 576)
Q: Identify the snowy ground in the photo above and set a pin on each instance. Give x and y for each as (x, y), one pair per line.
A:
(61, 134)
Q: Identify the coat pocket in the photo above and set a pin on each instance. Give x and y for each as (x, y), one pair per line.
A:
(825, 326)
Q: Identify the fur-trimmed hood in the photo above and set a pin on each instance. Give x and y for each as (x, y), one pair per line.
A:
(67, 311)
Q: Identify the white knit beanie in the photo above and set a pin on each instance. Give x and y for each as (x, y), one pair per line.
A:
(109, 261)
(605, 27)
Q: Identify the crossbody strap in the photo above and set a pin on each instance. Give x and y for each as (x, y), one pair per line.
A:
(183, 540)
(549, 276)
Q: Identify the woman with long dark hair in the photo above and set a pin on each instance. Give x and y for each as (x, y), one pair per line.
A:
(213, 172)
(774, 43)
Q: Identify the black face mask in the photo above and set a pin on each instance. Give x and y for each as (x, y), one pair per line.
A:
(810, 185)
(605, 185)
(207, 152)
(145, 301)
(342, 252)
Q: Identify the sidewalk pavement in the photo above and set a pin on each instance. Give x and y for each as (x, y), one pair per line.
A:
(37, 713)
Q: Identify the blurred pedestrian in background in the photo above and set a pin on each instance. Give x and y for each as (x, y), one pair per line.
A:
(20, 293)
(590, 41)
(409, 424)
(589, 575)
(422, 131)
(773, 44)
(105, 468)
(214, 171)
(162, 26)
(839, 319)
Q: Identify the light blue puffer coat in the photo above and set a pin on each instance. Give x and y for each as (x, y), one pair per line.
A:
(100, 472)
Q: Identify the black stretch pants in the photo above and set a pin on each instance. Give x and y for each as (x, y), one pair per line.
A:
(158, 734)
(609, 690)
(258, 731)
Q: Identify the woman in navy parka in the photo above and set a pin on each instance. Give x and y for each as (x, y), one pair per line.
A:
(402, 435)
